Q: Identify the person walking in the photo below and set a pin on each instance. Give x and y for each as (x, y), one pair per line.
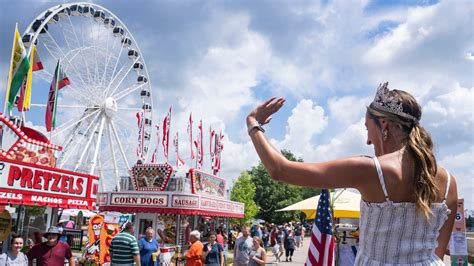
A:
(213, 253)
(149, 248)
(243, 247)
(258, 256)
(406, 196)
(289, 244)
(298, 235)
(14, 256)
(124, 247)
(265, 237)
(194, 255)
(280, 238)
(51, 252)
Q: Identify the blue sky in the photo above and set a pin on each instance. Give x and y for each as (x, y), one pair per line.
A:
(220, 58)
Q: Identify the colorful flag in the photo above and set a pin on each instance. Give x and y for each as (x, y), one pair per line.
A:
(154, 157)
(19, 67)
(212, 150)
(179, 161)
(190, 133)
(25, 91)
(166, 133)
(59, 81)
(219, 146)
(141, 134)
(321, 248)
(36, 63)
(199, 147)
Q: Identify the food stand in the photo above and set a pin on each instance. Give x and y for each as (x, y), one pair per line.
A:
(31, 186)
(172, 203)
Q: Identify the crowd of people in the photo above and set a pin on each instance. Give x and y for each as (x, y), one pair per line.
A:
(50, 252)
(250, 245)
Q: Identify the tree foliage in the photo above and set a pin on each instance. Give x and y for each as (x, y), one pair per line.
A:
(273, 195)
(244, 191)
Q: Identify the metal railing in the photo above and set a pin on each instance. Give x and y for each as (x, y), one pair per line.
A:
(74, 238)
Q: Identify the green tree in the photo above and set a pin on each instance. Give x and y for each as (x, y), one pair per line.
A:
(273, 195)
(244, 191)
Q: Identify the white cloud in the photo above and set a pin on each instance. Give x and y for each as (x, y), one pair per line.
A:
(307, 120)
(460, 165)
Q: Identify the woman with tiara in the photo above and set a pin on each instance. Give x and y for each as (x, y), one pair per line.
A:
(408, 201)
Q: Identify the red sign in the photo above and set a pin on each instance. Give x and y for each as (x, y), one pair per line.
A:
(40, 185)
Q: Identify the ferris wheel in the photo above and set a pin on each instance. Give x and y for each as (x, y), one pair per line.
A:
(109, 88)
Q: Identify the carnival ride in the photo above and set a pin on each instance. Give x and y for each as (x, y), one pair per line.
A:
(109, 86)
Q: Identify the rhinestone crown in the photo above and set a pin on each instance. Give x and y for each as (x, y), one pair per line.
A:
(383, 101)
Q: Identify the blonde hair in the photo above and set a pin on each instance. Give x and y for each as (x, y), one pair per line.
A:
(149, 229)
(258, 240)
(419, 145)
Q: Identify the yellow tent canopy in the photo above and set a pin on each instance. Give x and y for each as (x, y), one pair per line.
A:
(346, 205)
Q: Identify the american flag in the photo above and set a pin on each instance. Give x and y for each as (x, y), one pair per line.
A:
(321, 248)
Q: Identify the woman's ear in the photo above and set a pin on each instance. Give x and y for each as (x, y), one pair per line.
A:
(383, 123)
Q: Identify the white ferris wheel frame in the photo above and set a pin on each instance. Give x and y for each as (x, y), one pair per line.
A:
(105, 121)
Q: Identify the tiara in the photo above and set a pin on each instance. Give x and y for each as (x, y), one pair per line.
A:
(383, 101)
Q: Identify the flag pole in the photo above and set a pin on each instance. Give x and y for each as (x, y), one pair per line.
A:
(7, 92)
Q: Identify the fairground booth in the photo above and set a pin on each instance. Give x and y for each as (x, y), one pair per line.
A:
(173, 203)
(32, 188)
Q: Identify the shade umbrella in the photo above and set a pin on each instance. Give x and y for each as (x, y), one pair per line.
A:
(346, 205)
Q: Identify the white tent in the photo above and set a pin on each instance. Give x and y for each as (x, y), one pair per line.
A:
(346, 205)
(75, 212)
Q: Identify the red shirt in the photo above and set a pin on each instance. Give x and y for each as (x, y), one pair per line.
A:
(50, 255)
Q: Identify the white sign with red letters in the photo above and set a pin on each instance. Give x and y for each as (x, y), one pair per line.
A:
(41, 185)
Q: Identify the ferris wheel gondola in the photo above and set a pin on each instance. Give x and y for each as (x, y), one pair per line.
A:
(109, 78)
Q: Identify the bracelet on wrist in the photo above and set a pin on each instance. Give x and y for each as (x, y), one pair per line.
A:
(254, 125)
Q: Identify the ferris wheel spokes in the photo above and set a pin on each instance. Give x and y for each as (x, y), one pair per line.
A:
(79, 46)
(86, 148)
(46, 76)
(112, 151)
(96, 152)
(127, 91)
(74, 134)
(124, 157)
(65, 126)
(121, 80)
(67, 59)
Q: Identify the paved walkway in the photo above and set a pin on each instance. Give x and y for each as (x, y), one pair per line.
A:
(300, 255)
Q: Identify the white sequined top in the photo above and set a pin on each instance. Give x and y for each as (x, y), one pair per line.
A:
(393, 233)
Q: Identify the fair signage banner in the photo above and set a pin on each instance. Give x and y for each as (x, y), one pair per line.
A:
(41, 185)
(152, 200)
(176, 203)
(221, 205)
(185, 201)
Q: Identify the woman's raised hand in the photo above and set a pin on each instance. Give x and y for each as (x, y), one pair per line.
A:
(263, 112)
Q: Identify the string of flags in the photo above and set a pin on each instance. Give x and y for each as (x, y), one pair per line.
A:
(196, 145)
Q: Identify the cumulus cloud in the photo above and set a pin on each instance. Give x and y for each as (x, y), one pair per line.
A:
(218, 59)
